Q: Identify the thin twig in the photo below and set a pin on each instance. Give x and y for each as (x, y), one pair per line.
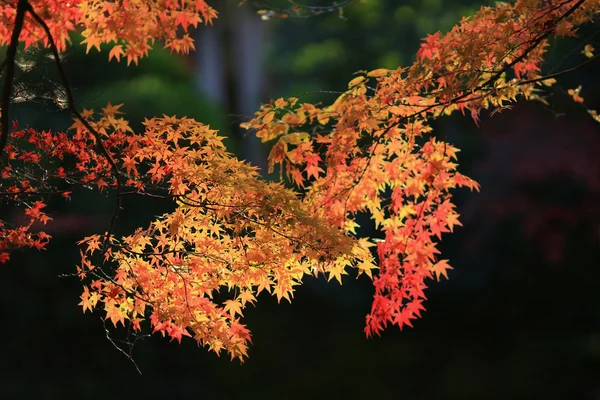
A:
(111, 340)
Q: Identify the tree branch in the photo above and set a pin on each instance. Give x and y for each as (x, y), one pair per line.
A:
(9, 62)
(557, 74)
(73, 108)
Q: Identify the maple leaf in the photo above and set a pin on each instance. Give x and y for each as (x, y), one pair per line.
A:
(429, 47)
(111, 110)
(129, 164)
(233, 307)
(378, 73)
(313, 170)
(366, 267)
(177, 332)
(89, 300)
(116, 52)
(91, 42)
(441, 268)
(4, 257)
(93, 243)
(246, 297)
(114, 313)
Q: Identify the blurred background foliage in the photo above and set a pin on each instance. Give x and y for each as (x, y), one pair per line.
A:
(519, 317)
(321, 53)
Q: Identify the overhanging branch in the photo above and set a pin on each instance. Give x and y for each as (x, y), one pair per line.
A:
(9, 62)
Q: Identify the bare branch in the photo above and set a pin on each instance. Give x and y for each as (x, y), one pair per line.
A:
(112, 341)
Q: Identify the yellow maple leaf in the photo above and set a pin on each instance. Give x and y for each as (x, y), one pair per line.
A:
(441, 268)
(233, 307)
(116, 52)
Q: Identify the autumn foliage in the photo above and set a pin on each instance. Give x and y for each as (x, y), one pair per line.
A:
(231, 234)
(129, 27)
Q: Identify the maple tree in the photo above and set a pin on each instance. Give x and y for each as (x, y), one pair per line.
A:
(231, 235)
